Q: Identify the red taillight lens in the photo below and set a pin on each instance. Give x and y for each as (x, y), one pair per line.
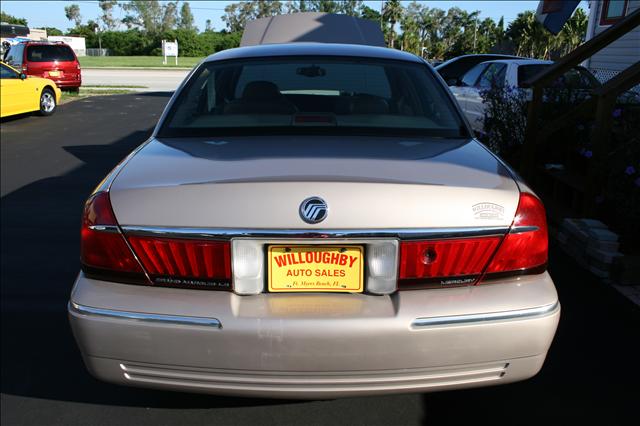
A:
(433, 261)
(102, 246)
(462, 261)
(105, 254)
(183, 258)
(525, 247)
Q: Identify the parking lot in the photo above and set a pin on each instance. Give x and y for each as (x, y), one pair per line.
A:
(50, 165)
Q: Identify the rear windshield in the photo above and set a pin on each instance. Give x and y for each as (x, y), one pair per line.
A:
(296, 94)
(575, 78)
(49, 53)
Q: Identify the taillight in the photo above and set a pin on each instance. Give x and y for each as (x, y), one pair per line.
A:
(171, 262)
(25, 68)
(185, 262)
(464, 261)
(445, 262)
(103, 250)
(525, 247)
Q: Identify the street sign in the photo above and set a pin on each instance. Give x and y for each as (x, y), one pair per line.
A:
(169, 48)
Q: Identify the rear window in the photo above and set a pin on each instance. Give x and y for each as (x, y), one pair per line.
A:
(49, 53)
(575, 78)
(341, 94)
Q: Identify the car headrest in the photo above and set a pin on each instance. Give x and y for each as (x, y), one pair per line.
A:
(260, 91)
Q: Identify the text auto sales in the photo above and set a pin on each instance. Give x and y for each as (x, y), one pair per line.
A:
(338, 259)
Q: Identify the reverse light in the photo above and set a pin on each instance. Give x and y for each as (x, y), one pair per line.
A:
(248, 265)
(382, 271)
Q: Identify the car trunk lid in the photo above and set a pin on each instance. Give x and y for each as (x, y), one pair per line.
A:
(367, 182)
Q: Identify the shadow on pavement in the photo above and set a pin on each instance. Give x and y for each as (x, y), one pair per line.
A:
(40, 260)
(591, 373)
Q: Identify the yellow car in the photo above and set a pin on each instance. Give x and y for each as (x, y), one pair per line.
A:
(19, 94)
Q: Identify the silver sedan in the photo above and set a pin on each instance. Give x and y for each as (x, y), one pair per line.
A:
(313, 221)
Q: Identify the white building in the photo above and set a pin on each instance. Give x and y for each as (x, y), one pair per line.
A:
(623, 52)
(76, 43)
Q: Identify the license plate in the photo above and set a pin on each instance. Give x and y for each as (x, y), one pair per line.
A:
(54, 73)
(327, 268)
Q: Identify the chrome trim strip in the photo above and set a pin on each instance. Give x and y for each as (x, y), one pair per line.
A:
(493, 316)
(142, 317)
(521, 229)
(229, 233)
(104, 228)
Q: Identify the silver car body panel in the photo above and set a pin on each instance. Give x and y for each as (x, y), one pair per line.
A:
(376, 183)
(314, 345)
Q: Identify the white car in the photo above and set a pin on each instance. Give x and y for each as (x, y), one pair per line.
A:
(313, 220)
(508, 73)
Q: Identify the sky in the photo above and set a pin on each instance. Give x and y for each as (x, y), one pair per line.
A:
(51, 13)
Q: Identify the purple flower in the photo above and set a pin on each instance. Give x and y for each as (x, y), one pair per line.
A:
(637, 181)
(630, 170)
(588, 154)
(617, 113)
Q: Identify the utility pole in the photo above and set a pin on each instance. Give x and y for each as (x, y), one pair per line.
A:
(475, 33)
(97, 31)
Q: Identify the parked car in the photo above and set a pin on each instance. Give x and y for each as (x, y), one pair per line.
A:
(55, 61)
(359, 239)
(20, 94)
(510, 74)
(453, 69)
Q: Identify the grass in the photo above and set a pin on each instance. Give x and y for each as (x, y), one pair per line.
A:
(84, 93)
(136, 62)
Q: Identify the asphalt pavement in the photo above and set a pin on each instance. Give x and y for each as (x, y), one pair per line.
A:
(50, 165)
(151, 80)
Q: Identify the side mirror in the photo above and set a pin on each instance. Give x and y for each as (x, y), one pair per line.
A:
(23, 76)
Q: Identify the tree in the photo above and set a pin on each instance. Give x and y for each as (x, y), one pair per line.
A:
(391, 14)
(573, 32)
(207, 26)
(52, 31)
(351, 7)
(10, 19)
(529, 36)
(150, 15)
(186, 18)
(266, 8)
(72, 12)
(169, 16)
(107, 18)
(368, 13)
(236, 15)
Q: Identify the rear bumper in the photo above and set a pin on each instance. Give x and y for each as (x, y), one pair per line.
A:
(314, 345)
(65, 84)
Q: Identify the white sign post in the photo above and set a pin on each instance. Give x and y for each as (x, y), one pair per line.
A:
(169, 48)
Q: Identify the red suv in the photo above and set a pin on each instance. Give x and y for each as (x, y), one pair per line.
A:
(55, 61)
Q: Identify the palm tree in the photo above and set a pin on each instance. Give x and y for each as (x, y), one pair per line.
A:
(572, 33)
(392, 13)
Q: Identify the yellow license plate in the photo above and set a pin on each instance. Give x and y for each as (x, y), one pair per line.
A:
(54, 73)
(328, 268)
